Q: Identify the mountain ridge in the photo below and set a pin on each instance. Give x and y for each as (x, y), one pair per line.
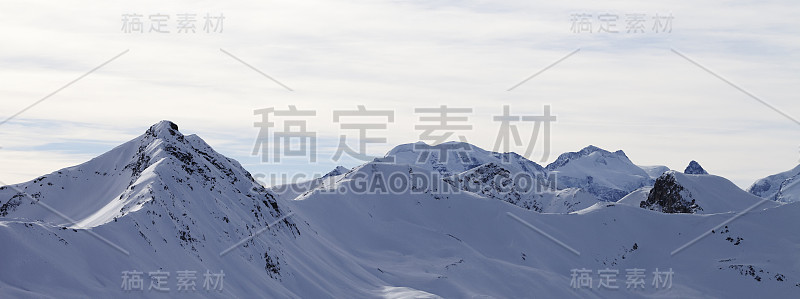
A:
(190, 207)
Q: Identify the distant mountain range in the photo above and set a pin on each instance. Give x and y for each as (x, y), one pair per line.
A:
(449, 220)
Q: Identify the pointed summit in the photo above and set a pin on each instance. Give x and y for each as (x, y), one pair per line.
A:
(336, 171)
(148, 173)
(164, 128)
(565, 158)
(694, 168)
(166, 124)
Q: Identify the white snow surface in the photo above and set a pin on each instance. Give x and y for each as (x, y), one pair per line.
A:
(716, 194)
(781, 187)
(172, 203)
(607, 175)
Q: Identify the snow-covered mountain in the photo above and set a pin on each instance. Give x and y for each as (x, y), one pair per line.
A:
(781, 187)
(168, 202)
(594, 171)
(495, 181)
(144, 173)
(291, 191)
(607, 175)
(676, 192)
(508, 177)
(455, 157)
(160, 200)
(694, 168)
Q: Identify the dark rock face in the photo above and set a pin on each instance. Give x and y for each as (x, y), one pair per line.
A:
(494, 181)
(694, 168)
(668, 196)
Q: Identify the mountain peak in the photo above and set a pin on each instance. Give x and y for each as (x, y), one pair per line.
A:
(422, 146)
(565, 158)
(589, 149)
(336, 171)
(164, 128)
(694, 168)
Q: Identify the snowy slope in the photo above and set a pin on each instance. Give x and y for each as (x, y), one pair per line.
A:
(502, 182)
(607, 175)
(782, 187)
(380, 230)
(454, 244)
(654, 171)
(293, 190)
(470, 247)
(676, 192)
(580, 176)
(164, 198)
(636, 197)
(538, 194)
(129, 177)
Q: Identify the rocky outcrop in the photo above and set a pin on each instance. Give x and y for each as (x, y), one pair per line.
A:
(694, 168)
(668, 196)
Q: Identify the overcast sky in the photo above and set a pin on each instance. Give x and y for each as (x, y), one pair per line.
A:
(621, 90)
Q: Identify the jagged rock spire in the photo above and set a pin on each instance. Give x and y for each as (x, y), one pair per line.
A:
(694, 168)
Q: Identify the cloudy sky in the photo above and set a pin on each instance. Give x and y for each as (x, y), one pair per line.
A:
(625, 90)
